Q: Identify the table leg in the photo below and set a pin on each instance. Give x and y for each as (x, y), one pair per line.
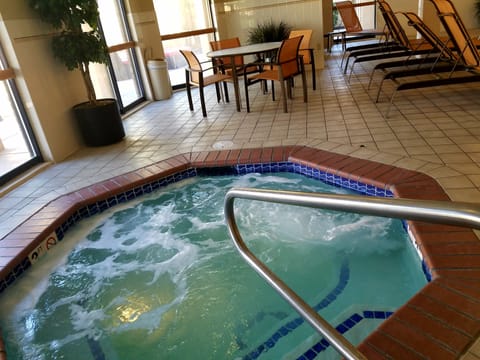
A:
(236, 86)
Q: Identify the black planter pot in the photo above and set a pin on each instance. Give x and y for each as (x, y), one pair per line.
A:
(99, 124)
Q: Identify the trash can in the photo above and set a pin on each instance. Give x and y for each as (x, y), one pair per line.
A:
(157, 70)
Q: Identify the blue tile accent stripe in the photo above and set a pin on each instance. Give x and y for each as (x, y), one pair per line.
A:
(343, 328)
(294, 324)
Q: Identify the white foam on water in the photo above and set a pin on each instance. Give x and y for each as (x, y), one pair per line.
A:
(199, 224)
(116, 242)
(84, 319)
(258, 180)
(294, 225)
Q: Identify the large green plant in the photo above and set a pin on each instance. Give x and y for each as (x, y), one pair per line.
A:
(79, 41)
(268, 32)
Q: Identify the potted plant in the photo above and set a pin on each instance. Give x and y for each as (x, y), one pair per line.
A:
(78, 43)
(268, 32)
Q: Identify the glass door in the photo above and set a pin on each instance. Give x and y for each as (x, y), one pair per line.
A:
(124, 71)
(184, 24)
(18, 147)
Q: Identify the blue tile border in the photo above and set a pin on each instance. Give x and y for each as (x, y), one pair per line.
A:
(343, 328)
(283, 331)
(240, 169)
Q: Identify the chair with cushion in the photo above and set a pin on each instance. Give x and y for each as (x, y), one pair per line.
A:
(288, 64)
(306, 51)
(195, 76)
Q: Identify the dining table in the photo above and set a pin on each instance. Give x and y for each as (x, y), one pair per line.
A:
(244, 50)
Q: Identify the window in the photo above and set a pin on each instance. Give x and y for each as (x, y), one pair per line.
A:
(18, 147)
(184, 24)
(124, 71)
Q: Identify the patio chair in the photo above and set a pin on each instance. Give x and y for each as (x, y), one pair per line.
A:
(225, 62)
(306, 51)
(195, 76)
(286, 66)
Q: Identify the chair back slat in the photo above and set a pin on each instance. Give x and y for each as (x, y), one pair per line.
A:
(304, 44)
(193, 64)
(349, 16)
(393, 24)
(288, 56)
(457, 32)
(428, 35)
(227, 44)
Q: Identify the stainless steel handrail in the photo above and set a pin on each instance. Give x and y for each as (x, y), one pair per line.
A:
(444, 212)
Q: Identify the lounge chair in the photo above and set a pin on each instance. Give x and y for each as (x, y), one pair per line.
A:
(446, 59)
(464, 57)
(352, 24)
(353, 27)
(427, 54)
(423, 52)
(406, 50)
(458, 33)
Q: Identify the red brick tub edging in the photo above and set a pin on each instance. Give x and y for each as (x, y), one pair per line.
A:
(440, 322)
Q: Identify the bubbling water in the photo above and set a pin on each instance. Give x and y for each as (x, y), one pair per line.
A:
(160, 278)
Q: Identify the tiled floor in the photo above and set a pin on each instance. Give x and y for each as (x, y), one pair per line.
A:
(433, 131)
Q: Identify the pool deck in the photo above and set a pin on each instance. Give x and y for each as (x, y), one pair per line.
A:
(427, 149)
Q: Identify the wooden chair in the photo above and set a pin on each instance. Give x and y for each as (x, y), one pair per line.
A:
(288, 64)
(194, 76)
(306, 51)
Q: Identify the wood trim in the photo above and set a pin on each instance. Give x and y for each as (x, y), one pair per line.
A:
(368, 3)
(120, 47)
(7, 74)
(266, 6)
(188, 33)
